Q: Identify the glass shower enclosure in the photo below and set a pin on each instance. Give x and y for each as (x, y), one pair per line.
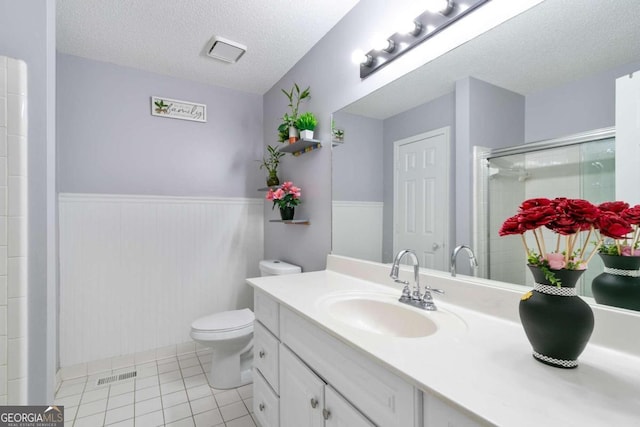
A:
(581, 166)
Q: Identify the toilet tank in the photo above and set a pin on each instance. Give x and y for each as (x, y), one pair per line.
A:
(274, 267)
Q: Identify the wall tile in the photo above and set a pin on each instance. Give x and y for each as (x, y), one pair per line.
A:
(16, 115)
(16, 237)
(3, 200)
(16, 198)
(3, 112)
(3, 230)
(16, 76)
(3, 293)
(3, 320)
(3, 350)
(17, 392)
(3, 380)
(3, 76)
(3, 260)
(17, 155)
(16, 317)
(16, 277)
(16, 362)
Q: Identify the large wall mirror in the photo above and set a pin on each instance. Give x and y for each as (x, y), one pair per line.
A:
(546, 74)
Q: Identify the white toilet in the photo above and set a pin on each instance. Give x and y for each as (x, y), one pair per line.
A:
(229, 334)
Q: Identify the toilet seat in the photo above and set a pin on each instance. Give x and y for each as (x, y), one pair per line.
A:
(224, 325)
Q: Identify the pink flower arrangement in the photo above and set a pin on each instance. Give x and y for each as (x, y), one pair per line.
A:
(569, 218)
(287, 195)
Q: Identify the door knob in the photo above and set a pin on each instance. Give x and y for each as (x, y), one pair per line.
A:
(314, 402)
(261, 407)
(261, 354)
(326, 413)
(435, 246)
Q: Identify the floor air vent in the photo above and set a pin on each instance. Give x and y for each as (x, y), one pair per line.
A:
(115, 378)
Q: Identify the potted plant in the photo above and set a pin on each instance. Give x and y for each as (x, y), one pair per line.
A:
(287, 197)
(306, 124)
(294, 96)
(271, 165)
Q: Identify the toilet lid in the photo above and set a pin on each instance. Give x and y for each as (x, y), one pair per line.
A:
(224, 321)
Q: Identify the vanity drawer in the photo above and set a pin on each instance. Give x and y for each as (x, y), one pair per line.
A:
(267, 311)
(385, 398)
(266, 405)
(265, 354)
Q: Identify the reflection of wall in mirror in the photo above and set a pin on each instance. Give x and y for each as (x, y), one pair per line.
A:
(357, 189)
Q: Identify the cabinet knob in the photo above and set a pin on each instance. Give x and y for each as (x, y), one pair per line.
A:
(314, 402)
(326, 413)
(261, 407)
(261, 354)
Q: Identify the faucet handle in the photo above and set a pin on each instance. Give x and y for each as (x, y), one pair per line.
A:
(430, 289)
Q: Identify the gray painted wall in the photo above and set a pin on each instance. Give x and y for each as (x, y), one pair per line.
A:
(488, 116)
(357, 164)
(579, 106)
(427, 117)
(334, 82)
(108, 141)
(27, 32)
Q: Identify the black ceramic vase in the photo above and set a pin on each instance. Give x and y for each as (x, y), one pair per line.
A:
(557, 322)
(286, 213)
(619, 284)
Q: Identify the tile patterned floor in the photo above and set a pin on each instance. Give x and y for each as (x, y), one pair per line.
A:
(167, 392)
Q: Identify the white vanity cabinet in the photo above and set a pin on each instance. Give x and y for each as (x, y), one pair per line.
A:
(438, 413)
(319, 380)
(306, 400)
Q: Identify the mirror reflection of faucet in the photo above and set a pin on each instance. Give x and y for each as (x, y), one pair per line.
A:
(414, 298)
(472, 258)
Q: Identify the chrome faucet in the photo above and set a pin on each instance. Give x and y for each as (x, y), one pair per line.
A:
(472, 258)
(413, 298)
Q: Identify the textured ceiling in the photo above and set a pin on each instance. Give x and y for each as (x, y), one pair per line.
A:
(555, 42)
(170, 36)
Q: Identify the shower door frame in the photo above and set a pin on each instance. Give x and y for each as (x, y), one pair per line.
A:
(480, 202)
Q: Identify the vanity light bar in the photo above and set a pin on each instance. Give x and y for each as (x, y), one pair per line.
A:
(424, 26)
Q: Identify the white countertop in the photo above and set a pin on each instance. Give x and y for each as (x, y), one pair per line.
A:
(487, 370)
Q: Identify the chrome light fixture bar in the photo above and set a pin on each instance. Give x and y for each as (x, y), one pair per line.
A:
(424, 26)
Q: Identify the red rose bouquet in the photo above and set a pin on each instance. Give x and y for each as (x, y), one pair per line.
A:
(620, 226)
(568, 218)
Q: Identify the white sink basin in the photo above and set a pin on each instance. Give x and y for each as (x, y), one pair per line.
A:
(382, 314)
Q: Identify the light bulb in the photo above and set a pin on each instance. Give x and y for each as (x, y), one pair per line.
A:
(379, 42)
(435, 6)
(410, 27)
(358, 56)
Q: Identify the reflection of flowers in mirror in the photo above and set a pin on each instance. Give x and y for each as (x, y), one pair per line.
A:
(569, 218)
(287, 195)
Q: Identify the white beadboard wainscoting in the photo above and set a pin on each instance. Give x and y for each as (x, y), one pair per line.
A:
(135, 271)
(357, 229)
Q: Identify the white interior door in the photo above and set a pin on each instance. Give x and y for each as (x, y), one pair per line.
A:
(421, 197)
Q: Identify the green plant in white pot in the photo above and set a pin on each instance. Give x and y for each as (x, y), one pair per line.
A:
(306, 123)
(295, 95)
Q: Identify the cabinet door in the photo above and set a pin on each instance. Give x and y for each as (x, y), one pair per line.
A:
(266, 407)
(265, 354)
(339, 413)
(438, 413)
(301, 393)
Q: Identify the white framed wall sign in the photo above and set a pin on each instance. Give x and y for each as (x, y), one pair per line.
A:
(174, 109)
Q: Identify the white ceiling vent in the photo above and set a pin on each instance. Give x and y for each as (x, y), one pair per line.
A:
(226, 50)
